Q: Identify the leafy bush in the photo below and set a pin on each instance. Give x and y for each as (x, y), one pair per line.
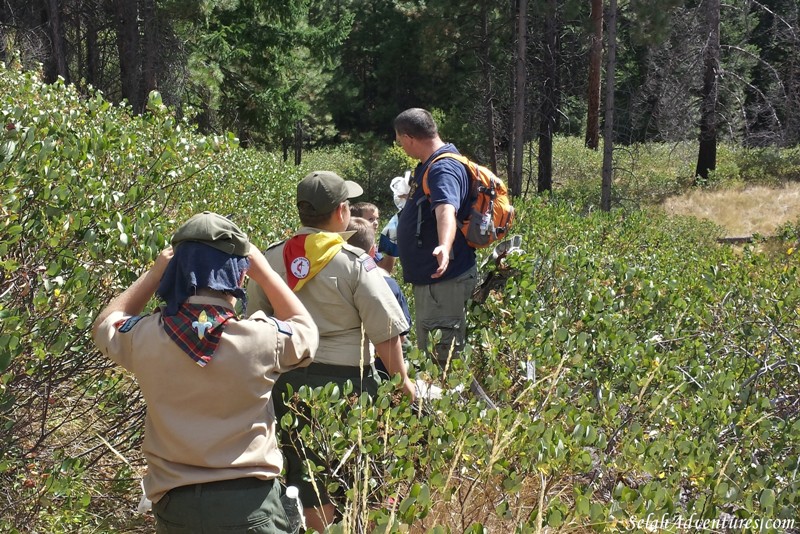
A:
(770, 166)
(639, 367)
(89, 197)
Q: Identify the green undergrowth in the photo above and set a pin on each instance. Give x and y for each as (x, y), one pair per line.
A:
(639, 367)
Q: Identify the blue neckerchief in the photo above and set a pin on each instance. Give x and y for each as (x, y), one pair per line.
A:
(197, 266)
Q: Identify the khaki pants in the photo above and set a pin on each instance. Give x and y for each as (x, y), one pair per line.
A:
(443, 306)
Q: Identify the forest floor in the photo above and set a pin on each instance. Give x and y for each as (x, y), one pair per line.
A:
(741, 212)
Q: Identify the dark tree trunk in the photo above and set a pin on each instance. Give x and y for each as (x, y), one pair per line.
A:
(549, 105)
(150, 52)
(486, 69)
(92, 72)
(298, 143)
(608, 130)
(57, 66)
(128, 47)
(595, 66)
(793, 99)
(520, 76)
(707, 155)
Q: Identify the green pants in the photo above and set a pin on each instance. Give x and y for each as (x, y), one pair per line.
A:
(443, 306)
(295, 453)
(244, 505)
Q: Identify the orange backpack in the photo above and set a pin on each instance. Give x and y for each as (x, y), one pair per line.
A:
(491, 213)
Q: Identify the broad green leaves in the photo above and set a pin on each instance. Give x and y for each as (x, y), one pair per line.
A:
(639, 367)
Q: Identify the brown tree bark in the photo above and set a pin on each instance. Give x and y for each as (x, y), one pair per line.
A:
(150, 51)
(92, 72)
(608, 130)
(298, 143)
(58, 59)
(707, 154)
(595, 66)
(549, 107)
(128, 48)
(486, 69)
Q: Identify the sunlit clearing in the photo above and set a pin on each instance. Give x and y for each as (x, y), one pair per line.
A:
(742, 212)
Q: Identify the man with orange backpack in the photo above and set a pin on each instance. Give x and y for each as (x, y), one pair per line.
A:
(436, 258)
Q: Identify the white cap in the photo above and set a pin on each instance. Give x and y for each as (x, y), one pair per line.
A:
(400, 186)
(292, 492)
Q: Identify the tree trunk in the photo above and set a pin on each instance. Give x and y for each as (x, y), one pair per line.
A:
(58, 59)
(707, 155)
(128, 49)
(519, 98)
(595, 66)
(150, 52)
(549, 100)
(486, 69)
(298, 143)
(608, 129)
(92, 69)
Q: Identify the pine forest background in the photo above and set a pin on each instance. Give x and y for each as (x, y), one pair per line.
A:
(641, 367)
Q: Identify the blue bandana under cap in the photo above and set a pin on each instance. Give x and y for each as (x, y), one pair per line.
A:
(197, 266)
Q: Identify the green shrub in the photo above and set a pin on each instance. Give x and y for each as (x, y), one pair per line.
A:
(90, 195)
(639, 367)
(769, 166)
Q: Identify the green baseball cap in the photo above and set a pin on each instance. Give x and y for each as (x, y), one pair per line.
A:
(324, 190)
(215, 231)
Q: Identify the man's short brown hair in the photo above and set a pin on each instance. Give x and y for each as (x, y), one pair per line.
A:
(417, 123)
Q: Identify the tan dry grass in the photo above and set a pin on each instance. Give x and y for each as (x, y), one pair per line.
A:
(741, 212)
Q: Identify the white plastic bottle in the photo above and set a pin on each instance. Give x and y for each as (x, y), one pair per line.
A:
(294, 508)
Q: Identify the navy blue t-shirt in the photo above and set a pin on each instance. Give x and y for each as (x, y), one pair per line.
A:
(448, 182)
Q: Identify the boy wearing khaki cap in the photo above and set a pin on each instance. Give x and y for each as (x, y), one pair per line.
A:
(207, 378)
(344, 291)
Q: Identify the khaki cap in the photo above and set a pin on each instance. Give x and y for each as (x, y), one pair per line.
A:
(215, 231)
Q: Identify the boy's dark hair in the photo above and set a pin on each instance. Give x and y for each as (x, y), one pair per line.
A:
(364, 236)
(416, 122)
(358, 209)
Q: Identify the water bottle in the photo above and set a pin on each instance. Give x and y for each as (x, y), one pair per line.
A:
(485, 220)
(294, 509)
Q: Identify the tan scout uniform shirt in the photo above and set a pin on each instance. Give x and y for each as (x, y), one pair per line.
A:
(209, 423)
(342, 296)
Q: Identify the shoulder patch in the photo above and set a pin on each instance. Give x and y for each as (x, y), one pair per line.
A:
(127, 324)
(283, 326)
(368, 263)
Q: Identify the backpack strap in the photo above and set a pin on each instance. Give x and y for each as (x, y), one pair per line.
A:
(427, 191)
(419, 220)
(452, 155)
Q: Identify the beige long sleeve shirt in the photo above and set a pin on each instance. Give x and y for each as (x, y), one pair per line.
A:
(209, 423)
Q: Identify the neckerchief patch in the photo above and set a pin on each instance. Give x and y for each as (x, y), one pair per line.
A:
(197, 329)
(305, 255)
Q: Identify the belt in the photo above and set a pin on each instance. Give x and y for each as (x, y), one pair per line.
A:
(339, 371)
(230, 484)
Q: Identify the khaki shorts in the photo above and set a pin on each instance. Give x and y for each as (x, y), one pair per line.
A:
(443, 306)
